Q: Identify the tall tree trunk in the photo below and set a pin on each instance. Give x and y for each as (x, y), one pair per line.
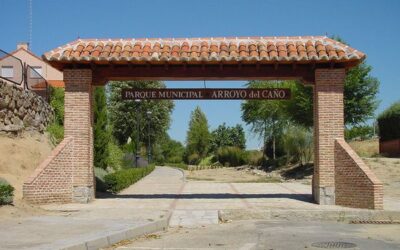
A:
(273, 147)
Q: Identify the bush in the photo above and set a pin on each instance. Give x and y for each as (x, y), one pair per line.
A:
(255, 157)
(6, 192)
(231, 156)
(207, 161)
(193, 159)
(100, 183)
(298, 142)
(389, 123)
(56, 132)
(57, 103)
(56, 128)
(115, 156)
(121, 179)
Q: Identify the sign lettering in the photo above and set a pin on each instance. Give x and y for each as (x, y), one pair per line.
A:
(207, 94)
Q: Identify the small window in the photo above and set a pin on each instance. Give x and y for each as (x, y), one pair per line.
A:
(37, 72)
(7, 71)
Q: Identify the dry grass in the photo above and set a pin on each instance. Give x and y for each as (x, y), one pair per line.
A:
(230, 175)
(367, 148)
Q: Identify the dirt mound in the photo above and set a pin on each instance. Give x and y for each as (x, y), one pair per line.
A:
(20, 156)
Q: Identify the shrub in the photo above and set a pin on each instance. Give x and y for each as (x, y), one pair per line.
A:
(194, 159)
(100, 183)
(389, 123)
(6, 192)
(56, 132)
(56, 128)
(231, 156)
(298, 142)
(115, 156)
(255, 157)
(207, 161)
(121, 179)
(57, 103)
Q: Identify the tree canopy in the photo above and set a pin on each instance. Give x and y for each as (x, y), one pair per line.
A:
(127, 115)
(224, 136)
(267, 118)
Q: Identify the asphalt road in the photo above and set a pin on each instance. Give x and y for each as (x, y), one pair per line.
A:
(257, 234)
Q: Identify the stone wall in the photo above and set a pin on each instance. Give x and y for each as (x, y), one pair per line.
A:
(355, 184)
(22, 109)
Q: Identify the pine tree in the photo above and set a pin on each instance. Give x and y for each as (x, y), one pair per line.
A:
(101, 131)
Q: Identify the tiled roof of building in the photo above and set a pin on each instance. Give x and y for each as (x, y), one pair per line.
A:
(222, 49)
(53, 83)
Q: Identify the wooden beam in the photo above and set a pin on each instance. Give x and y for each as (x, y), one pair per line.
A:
(197, 72)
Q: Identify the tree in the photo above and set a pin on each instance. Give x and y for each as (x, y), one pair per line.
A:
(127, 115)
(228, 136)
(266, 117)
(101, 129)
(198, 136)
(360, 101)
(168, 150)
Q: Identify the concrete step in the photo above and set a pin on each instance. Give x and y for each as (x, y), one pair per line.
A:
(193, 218)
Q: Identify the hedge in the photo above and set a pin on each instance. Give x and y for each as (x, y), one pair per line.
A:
(121, 179)
(6, 193)
(389, 123)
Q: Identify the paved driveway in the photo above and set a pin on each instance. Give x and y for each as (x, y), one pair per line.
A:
(165, 188)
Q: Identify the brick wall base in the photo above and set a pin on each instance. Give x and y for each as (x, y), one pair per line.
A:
(52, 180)
(355, 184)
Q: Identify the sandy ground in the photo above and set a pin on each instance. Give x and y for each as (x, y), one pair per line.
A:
(234, 175)
(388, 171)
(19, 157)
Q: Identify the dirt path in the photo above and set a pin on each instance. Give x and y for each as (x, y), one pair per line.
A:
(232, 175)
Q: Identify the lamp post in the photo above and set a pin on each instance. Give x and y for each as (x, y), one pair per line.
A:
(148, 136)
(137, 155)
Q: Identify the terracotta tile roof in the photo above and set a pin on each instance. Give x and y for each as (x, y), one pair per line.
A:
(53, 83)
(56, 83)
(222, 49)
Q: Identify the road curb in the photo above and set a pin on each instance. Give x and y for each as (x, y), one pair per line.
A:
(363, 215)
(115, 237)
(182, 171)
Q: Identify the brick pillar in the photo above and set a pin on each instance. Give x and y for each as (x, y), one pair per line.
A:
(328, 125)
(78, 125)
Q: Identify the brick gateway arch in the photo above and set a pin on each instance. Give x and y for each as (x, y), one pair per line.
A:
(340, 177)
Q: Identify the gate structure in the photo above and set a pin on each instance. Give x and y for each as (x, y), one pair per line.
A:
(340, 176)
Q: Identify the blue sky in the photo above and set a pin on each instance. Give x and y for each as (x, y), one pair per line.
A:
(370, 26)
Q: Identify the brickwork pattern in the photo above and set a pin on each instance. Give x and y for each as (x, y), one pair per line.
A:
(355, 184)
(328, 125)
(78, 125)
(52, 180)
